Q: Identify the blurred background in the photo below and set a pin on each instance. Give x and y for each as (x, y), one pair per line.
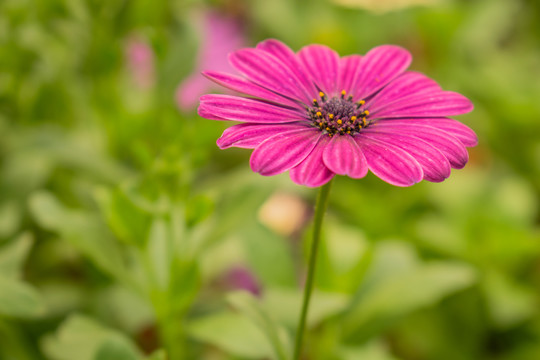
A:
(126, 234)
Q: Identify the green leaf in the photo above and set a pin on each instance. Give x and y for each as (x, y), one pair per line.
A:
(371, 351)
(19, 299)
(234, 333)
(380, 7)
(404, 293)
(82, 338)
(126, 219)
(85, 231)
(114, 348)
(388, 259)
(343, 258)
(160, 251)
(158, 355)
(13, 255)
(285, 305)
(508, 303)
(263, 250)
(238, 208)
(10, 218)
(252, 309)
(198, 208)
(184, 285)
(124, 307)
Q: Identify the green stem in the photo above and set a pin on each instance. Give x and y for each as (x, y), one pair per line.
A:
(320, 207)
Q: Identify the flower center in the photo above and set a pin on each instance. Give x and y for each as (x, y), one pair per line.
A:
(338, 115)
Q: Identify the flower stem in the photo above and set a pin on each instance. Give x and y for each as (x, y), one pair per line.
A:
(320, 208)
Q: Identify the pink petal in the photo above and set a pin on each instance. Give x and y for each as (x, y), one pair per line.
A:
(453, 127)
(343, 156)
(322, 63)
(283, 151)
(426, 104)
(249, 136)
(247, 110)
(380, 66)
(288, 57)
(268, 71)
(390, 163)
(349, 71)
(312, 172)
(243, 86)
(434, 164)
(404, 85)
(203, 112)
(452, 148)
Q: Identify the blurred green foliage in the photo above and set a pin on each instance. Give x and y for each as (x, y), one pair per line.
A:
(119, 218)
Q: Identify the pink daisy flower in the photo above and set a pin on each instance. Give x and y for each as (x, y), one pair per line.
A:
(316, 115)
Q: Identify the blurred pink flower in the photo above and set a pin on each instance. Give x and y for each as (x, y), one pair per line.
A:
(220, 36)
(140, 61)
(316, 115)
(241, 278)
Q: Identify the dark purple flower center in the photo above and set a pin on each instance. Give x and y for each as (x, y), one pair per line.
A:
(338, 115)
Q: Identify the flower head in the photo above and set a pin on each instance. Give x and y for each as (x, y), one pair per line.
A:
(315, 115)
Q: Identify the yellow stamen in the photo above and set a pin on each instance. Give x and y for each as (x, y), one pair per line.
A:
(331, 116)
(321, 94)
(353, 118)
(327, 129)
(339, 122)
(319, 114)
(348, 131)
(362, 102)
(366, 112)
(343, 92)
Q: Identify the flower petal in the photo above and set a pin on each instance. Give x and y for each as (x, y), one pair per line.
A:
(434, 164)
(208, 114)
(236, 108)
(289, 58)
(404, 85)
(249, 136)
(343, 156)
(426, 104)
(349, 70)
(322, 63)
(244, 86)
(380, 66)
(282, 152)
(452, 148)
(268, 71)
(312, 172)
(453, 127)
(390, 163)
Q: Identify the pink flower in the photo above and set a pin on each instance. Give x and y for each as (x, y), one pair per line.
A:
(241, 278)
(315, 115)
(220, 36)
(140, 61)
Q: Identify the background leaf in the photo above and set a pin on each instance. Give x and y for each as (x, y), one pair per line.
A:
(19, 299)
(82, 338)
